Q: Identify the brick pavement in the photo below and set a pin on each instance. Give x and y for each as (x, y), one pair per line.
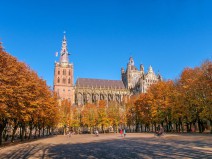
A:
(140, 145)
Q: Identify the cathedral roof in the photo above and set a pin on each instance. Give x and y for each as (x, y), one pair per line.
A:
(97, 83)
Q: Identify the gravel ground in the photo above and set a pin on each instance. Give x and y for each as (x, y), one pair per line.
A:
(140, 145)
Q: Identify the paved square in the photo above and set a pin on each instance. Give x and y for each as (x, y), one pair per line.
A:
(140, 145)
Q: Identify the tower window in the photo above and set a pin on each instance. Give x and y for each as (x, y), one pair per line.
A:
(64, 72)
(63, 90)
(64, 80)
(69, 80)
(69, 72)
(58, 72)
(58, 80)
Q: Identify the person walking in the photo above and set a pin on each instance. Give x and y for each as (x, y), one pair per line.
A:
(121, 132)
(97, 133)
(69, 134)
(124, 133)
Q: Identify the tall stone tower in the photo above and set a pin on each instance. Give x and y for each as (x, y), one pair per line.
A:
(131, 76)
(63, 75)
(137, 81)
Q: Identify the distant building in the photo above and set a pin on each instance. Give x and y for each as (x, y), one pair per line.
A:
(137, 81)
(88, 90)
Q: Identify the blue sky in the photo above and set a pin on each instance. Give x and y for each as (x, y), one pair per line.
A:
(102, 35)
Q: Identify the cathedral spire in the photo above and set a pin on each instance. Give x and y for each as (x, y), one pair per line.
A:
(64, 51)
(150, 69)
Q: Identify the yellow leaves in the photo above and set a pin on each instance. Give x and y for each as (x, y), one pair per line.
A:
(89, 115)
(23, 94)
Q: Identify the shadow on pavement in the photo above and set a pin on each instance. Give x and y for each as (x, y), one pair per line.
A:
(116, 148)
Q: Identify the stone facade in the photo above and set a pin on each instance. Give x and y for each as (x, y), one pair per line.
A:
(89, 90)
(92, 90)
(137, 81)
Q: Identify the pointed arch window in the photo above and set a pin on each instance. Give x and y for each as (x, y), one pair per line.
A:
(58, 72)
(69, 81)
(69, 72)
(58, 80)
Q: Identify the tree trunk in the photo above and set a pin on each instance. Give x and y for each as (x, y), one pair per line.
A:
(190, 124)
(167, 127)
(43, 129)
(103, 128)
(35, 135)
(48, 131)
(187, 127)
(136, 127)
(199, 126)
(30, 131)
(176, 127)
(2, 126)
(155, 127)
(39, 131)
(91, 130)
(179, 125)
(13, 133)
(20, 132)
(5, 135)
(23, 131)
(182, 126)
(129, 128)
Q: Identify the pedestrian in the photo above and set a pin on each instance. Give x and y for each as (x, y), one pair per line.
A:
(69, 134)
(124, 133)
(121, 132)
(97, 133)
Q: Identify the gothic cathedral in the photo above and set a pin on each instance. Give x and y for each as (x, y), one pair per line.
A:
(88, 90)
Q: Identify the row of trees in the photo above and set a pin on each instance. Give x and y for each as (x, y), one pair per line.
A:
(100, 116)
(181, 105)
(26, 102)
(184, 104)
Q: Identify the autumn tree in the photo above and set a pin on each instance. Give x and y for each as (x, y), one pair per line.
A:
(102, 115)
(143, 110)
(113, 112)
(159, 95)
(25, 99)
(89, 116)
(131, 118)
(65, 114)
(206, 92)
(190, 91)
(75, 118)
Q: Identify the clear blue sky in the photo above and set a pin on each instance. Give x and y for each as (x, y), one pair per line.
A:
(167, 34)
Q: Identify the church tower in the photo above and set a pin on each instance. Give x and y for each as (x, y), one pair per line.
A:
(63, 75)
